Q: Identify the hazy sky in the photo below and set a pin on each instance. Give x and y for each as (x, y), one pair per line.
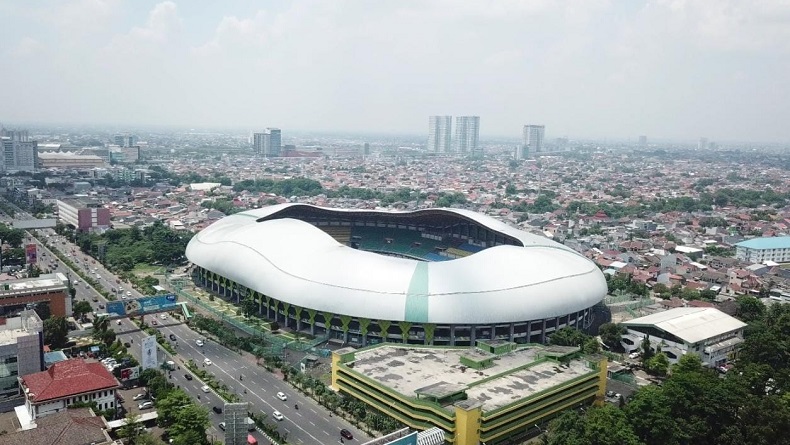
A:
(584, 68)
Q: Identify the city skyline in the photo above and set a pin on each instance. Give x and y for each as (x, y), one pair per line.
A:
(587, 70)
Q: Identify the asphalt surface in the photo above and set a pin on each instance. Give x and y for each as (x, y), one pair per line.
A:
(310, 424)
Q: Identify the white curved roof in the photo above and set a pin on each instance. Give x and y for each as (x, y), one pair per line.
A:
(296, 262)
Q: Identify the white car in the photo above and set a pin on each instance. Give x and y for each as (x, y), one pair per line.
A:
(163, 316)
(205, 388)
(282, 396)
(146, 405)
(207, 362)
(199, 342)
(277, 415)
(139, 396)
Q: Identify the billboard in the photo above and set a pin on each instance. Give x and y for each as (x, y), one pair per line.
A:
(31, 253)
(149, 353)
(130, 373)
(142, 306)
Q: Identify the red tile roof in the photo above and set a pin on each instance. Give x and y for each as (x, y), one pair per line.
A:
(67, 378)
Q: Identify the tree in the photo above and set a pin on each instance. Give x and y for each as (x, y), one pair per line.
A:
(750, 309)
(660, 289)
(658, 364)
(651, 418)
(131, 429)
(568, 337)
(647, 350)
(56, 330)
(611, 334)
(170, 405)
(81, 308)
(248, 305)
(190, 425)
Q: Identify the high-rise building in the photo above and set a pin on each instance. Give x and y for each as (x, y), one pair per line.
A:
(643, 141)
(366, 149)
(702, 144)
(18, 155)
(21, 350)
(440, 134)
(467, 134)
(257, 143)
(272, 142)
(125, 140)
(533, 139)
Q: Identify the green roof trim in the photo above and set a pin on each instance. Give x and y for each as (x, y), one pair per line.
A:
(417, 295)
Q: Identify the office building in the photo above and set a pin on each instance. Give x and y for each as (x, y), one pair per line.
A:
(51, 289)
(760, 250)
(272, 142)
(710, 333)
(440, 134)
(257, 143)
(66, 383)
(702, 144)
(21, 351)
(496, 392)
(366, 149)
(69, 160)
(125, 140)
(84, 215)
(467, 134)
(18, 155)
(532, 140)
(643, 141)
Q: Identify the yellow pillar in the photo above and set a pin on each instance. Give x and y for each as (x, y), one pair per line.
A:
(467, 423)
(603, 369)
(340, 356)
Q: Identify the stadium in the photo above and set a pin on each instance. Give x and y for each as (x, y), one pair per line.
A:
(435, 276)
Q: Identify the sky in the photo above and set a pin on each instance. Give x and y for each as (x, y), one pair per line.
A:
(668, 69)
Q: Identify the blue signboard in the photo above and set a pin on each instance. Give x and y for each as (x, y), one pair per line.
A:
(141, 306)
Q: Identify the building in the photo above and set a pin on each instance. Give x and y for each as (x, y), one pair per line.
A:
(366, 276)
(272, 142)
(707, 332)
(643, 141)
(66, 160)
(83, 215)
(366, 149)
(79, 426)
(66, 383)
(467, 134)
(532, 140)
(51, 289)
(702, 144)
(21, 351)
(760, 250)
(18, 155)
(440, 134)
(495, 393)
(257, 143)
(125, 140)
(125, 155)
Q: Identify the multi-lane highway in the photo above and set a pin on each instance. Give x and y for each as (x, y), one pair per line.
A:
(309, 424)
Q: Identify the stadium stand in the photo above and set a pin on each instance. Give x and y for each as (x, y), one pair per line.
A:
(341, 234)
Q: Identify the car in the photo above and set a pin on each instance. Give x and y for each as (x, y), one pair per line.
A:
(163, 316)
(282, 396)
(145, 405)
(199, 342)
(217, 409)
(277, 415)
(633, 355)
(188, 377)
(207, 362)
(153, 322)
(95, 299)
(118, 322)
(173, 337)
(128, 293)
(101, 306)
(222, 426)
(205, 388)
(139, 396)
(346, 434)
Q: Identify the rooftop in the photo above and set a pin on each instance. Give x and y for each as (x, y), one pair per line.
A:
(27, 323)
(68, 378)
(691, 324)
(71, 427)
(775, 242)
(28, 284)
(438, 371)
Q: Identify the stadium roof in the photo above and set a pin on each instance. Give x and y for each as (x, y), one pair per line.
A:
(296, 262)
(692, 325)
(774, 242)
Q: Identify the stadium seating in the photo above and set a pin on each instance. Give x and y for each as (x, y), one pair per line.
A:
(341, 234)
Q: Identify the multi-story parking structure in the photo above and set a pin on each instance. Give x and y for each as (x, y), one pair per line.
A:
(436, 276)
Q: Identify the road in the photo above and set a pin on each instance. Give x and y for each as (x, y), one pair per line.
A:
(310, 424)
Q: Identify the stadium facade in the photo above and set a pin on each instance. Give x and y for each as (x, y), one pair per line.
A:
(432, 277)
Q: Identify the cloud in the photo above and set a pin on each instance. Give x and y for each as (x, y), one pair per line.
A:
(26, 47)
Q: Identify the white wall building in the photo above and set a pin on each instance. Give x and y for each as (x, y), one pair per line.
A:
(467, 134)
(533, 140)
(66, 383)
(707, 332)
(760, 250)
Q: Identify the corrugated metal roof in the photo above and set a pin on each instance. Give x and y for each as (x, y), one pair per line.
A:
(692, 325)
